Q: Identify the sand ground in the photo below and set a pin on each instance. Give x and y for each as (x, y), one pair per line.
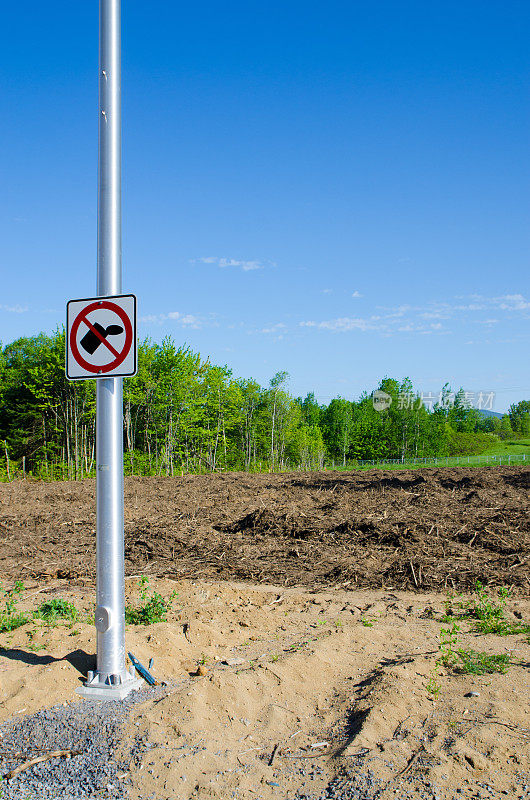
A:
(298, 687)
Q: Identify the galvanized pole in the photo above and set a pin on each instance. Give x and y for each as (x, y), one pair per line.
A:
(110, 610)
(111, 677)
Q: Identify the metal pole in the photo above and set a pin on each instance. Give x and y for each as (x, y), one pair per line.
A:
(111, 677)
(109, 392)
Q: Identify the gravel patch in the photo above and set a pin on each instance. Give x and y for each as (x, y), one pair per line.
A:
(356, 786)
(367, 787)
(96, 728)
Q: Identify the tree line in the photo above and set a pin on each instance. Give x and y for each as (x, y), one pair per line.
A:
(184, 414)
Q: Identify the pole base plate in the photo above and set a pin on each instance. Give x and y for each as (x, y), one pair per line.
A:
(95, 689)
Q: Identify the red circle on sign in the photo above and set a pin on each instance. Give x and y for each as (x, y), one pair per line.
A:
(126, 347)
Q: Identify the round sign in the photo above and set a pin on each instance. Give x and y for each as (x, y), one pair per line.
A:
(117, 356)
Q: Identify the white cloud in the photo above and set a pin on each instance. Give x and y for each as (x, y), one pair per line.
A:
(514, 302)
(399, 311)
(386, 325)
(185, 320)
(504, 302)
(327, 291)
(426, 319)
(18, 309)
(433, 315)
(472, 305)
(340, 324)
(279, 327)
(246, 266)
(156, 318)
(356, 294)
(190, 319)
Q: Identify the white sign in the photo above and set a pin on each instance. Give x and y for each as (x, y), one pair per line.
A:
(101, 337)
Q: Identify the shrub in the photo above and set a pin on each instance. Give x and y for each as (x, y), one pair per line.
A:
(55, 609)
(152, 610)
(10, 617)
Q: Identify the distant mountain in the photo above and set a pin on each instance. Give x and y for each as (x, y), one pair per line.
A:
(486, 413)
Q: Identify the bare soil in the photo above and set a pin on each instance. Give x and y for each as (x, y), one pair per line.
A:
(277, 694)
(419, 530)
(312, 604)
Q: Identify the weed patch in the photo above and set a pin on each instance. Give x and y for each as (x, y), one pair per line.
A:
(433, 687)
(10, 616)
(486, 611)
(56, 609)
(153, 608)
(473, 662)
(501, 627)
(486, 607)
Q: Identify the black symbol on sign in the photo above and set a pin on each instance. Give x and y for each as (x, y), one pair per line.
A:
(91, 341)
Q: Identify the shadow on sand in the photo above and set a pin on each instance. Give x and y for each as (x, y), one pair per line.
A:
(80, 660)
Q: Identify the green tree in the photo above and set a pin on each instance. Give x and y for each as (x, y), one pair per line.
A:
(311, 411)
(505, 428)
(519, 414)
(278, 403)
(338, 428)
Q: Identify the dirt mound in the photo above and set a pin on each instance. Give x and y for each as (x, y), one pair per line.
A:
(416, 529)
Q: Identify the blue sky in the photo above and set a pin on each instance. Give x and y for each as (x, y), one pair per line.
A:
(339, 189)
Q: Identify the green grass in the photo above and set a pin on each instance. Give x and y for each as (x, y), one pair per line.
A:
(484, 606)
(486, 611)
(56, 609)
(509, 447)
(433, 687)
(50, 611)
(10, 622)
(153, 608)
(473, 662)
(501, 627)
(447, 461)
(500, 449)
(10, 617)
(468, 662)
